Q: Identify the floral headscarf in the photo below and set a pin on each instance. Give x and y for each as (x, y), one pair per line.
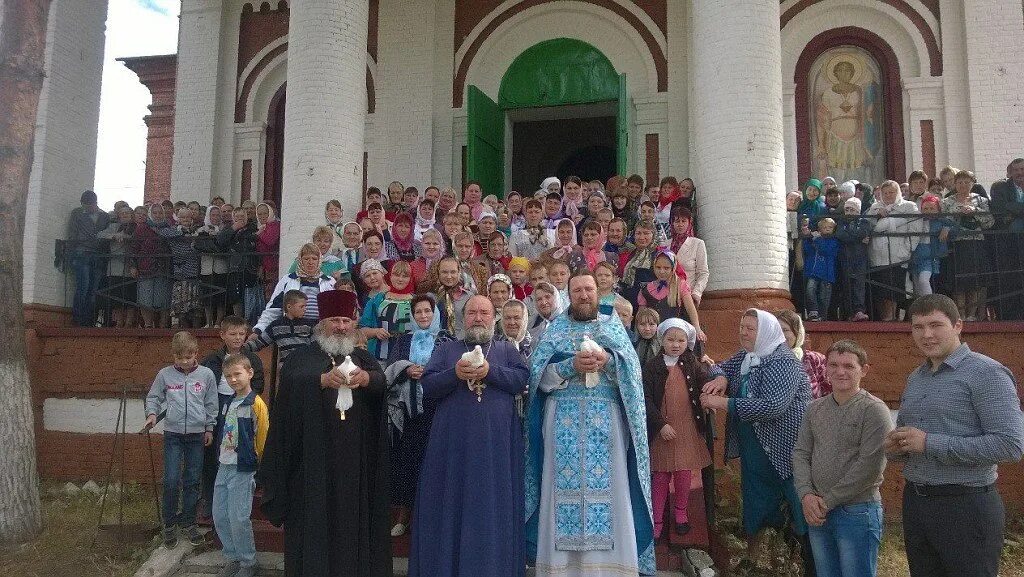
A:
(564, 250)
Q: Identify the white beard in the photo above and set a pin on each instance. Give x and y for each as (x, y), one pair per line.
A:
(479, 335)
(336, 345)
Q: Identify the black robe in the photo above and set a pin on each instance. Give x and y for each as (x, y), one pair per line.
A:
(326, 479)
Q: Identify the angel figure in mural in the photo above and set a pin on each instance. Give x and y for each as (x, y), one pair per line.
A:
(847, 117)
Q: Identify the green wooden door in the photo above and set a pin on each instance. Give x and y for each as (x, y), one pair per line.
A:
(485, 142)
(624, 121)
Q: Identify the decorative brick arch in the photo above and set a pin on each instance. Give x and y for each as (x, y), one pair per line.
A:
(930, 41)
(248, 84)
(656, 52)
(892, 95)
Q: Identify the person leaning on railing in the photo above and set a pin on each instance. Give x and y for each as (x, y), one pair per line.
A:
(84, 224)
(151, 263)
(891, 247)
(118, 293)
(1008, 204)
(970, 259)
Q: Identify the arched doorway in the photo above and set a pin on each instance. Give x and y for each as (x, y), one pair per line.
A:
(274, 160)
(557, 98)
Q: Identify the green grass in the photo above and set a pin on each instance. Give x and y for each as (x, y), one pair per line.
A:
(71, 545)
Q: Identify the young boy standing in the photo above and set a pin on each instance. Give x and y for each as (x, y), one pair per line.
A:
(187, 392)
(289, 332)
(233, 332)
(838, 462)
(240, 446)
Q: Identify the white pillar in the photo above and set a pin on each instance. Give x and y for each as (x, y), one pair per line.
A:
(738, 137)
(325, 115)
(195, 110)
(789, 126)
(995, 59)
(65, 142)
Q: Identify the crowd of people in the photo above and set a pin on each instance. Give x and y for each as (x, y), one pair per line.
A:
(524, 380)
(857, 252)
(860, 253)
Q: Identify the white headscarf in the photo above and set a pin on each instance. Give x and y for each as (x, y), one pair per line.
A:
(549, 181)
(769, 337)
(676, 323)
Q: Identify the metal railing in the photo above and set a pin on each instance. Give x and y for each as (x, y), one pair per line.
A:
(171, 285)
(979, 267)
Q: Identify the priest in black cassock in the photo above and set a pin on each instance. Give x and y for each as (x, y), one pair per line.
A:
(325, 474)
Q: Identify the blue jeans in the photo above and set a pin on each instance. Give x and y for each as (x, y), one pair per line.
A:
(232, 507)
(819, 294)
(87, 268)
(847, 544)
(181, 449)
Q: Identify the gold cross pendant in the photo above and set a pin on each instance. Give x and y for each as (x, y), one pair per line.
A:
(342, 413)
(478, 388)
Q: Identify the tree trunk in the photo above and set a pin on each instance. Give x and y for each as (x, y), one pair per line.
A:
(22, 53)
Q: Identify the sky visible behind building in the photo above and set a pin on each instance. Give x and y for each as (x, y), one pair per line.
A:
(134, 28)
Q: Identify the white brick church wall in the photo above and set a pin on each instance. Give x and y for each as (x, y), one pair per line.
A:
(995, 75)
(65, 140)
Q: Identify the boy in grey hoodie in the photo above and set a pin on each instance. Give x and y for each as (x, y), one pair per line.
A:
(187, 392)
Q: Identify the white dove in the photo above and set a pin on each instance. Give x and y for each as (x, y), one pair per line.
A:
(475, 357)
(345, 393)
(589, 346)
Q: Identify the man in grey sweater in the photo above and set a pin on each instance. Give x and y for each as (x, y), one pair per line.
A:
(837, 468)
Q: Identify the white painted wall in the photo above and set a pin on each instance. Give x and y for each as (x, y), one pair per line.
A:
(326, 112)
(404, 130)
(65, 140)
(93, 415)
(995, 61)
(198, 89)
(739, 160)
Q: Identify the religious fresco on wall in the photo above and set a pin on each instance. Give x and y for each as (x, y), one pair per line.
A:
(847, 132)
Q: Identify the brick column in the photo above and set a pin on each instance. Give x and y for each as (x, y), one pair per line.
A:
(995, 58)
(325, 115)
(195, 116)
(739, 155)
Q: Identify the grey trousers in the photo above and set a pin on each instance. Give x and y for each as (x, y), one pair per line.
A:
(956, 536)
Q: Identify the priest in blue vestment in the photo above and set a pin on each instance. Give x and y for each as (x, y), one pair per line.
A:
(588, 474)
(468, 519)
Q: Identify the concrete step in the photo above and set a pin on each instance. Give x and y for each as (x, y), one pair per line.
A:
(272, 565)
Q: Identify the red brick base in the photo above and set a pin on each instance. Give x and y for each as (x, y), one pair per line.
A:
(67, 362)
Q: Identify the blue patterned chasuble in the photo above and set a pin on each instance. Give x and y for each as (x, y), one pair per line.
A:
(582, 442)
(582, 447)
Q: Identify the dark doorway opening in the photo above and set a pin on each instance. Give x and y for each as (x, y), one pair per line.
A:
(584, 147)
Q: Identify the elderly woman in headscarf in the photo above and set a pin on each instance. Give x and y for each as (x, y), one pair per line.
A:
(268, 239)
(514, 318)
(426, 218)
(151, 267)
(549, 185)
(409, 413)
(544, 305)
(765, 392)
(565, 247)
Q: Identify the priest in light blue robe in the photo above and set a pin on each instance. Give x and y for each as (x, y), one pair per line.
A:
(588, 474)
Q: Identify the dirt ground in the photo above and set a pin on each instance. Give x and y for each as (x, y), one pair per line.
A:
(71, 545)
